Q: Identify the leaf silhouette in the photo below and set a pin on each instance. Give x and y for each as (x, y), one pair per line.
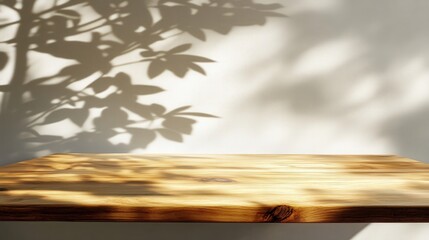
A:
(156, 67)
(146, 89)
(3, 60)
(170, 135)
(101, 84)
(178, 68)
(177, 110)
(57, 26)
(147, 54)
(131, 14)
(197, 114)
(178, 64)
(179, 124)
(196, 32)
(78, 116)
(197, 68)
(141, 110)
(180, 48)
(157, 109)
(80, 71)
(83, 52)
(111, 117)
(193, 58)
(141, 137)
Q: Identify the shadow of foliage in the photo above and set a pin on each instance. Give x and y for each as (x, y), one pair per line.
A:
(3, 60)
(66, 30)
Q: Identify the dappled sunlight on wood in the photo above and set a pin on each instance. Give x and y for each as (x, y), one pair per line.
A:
(318, 188)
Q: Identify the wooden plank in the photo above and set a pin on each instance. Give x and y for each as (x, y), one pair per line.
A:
(216, 188)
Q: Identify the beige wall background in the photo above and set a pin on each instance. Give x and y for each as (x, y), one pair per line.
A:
(331, 76)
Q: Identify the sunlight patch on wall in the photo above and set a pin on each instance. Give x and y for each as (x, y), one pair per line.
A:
(7, 15)
(331, 136)
(93, 113)
(65, 128)
(82, 84)
(120, 138)
(43, 65)
(414, 94)
(311, 5)
(327, 57)
(364, 90)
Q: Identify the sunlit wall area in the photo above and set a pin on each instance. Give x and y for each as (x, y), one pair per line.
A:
(207, 76)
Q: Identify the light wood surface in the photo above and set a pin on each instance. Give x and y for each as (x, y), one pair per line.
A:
(215, 188)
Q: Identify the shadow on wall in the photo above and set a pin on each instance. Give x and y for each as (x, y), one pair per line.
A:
(91, 36)
(179, 231)
(410, 134)
(348, 65)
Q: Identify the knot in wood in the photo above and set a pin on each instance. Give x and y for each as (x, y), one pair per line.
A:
(279, 213)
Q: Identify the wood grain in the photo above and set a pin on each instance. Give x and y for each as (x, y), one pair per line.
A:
(215, 188)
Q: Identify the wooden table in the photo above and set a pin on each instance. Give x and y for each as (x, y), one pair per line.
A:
(215, 188)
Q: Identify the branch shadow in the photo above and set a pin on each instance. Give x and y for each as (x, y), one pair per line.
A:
(91, 36)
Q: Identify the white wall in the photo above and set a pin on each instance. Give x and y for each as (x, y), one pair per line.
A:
(331, 77)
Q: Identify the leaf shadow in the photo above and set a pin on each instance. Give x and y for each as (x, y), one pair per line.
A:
(91, 42)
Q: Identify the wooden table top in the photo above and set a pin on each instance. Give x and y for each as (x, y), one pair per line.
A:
(215, 188)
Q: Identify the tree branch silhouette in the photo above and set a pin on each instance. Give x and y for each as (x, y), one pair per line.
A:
(118, 27)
